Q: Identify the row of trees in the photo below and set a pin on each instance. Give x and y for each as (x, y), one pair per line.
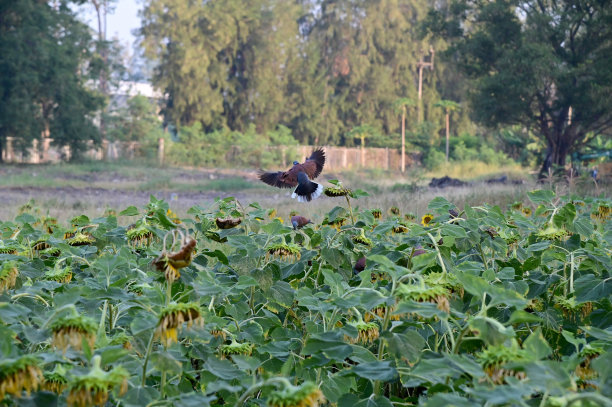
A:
(331, 71)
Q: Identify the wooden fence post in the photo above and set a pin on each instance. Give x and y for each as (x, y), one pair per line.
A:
(160, 151)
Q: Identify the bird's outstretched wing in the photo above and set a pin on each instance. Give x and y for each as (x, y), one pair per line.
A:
(278, 179)
(314, 164)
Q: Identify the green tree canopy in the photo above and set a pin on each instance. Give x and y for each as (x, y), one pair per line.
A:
(44, 52)
(545, 65)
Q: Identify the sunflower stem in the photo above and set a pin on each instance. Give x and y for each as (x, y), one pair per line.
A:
(348, 201)
(146, 361)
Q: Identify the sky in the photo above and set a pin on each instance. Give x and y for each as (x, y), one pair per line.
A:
(120, 23)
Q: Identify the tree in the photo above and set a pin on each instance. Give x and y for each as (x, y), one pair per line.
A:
(532, 63)
(44, 56)
(448, 106)
(402, 105)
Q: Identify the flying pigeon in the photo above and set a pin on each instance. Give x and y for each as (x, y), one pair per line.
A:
(300, 176)
(299, 222)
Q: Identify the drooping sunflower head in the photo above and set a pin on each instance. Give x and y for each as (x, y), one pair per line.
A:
(59, 274)
(377, 213)
(92, 389)
(434, 293)
(236, 348)
(81, 239)
(337, 190)
(602, 212)
(9, 247)
(227, 223)
(305, 395)
(517, 206)
(427, 219)
(362, 239)
(410, 217)
(56, 381)
(400, 227)
(526, 211)
(284, 251)
(8, 275)
(72, 331)
(552, 232)
(367, 332)
(18, 375)
(139, 236)
(571, 309)
(122, 339)
(172, 318)
(41, 244)
(49, 224)
(494, 357)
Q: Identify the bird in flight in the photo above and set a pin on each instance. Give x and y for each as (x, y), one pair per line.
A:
(300, 176)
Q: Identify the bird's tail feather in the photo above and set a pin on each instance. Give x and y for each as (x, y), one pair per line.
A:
(307, 191)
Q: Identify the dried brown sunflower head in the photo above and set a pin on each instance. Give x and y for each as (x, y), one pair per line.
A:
(72, 331)
(18, 375)
(410, 217)
(367, 332)
(8, 275)
(56, 381)
(172, 318)
(377, 213)
(394, 211)
(305, 395)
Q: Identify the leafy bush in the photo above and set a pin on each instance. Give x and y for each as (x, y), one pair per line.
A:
(226, 307)
(225, 148)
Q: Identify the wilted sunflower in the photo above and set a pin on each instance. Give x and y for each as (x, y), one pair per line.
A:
(437, 294)
(305, 395)
(552, 232)
(381, 312)
(55, 381)
(337, 190)
(170, 262)
(173, 316)
(235, 348)
(72, 331)
(584, 371)
(49, 224)
(571, 309)
(8, 275)
(446, 280)
(377, 213)
(92, 389)
(517, 206)
(218, 333)
(122, 339)
(494, 357)
(426, 219)
(9, 248)
(394, 211)
(284, 251)
(367, 332)
(361, 238)
(337, 223)
(410, 217)
(400, 227)
(228, 223)
(40, 244)
(81, 239)
(139, 236)
(59, 274)
(602, 213)
(17, 375)
(526, 211)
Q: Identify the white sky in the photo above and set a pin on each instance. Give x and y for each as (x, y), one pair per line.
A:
(120, 23)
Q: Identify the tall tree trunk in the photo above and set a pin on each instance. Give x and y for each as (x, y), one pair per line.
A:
(403, 139)
(556, 155)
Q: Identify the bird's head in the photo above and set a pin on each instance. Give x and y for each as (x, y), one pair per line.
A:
(295, 224)
(295, 163)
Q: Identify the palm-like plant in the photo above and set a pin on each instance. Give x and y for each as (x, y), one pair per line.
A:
(448, 106)
(401, 106)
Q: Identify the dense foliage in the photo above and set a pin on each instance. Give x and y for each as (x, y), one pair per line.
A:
(319, 68)
(544, 65)
(230, 306)
(44, 63)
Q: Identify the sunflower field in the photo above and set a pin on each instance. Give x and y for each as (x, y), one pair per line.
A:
(232, 306)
